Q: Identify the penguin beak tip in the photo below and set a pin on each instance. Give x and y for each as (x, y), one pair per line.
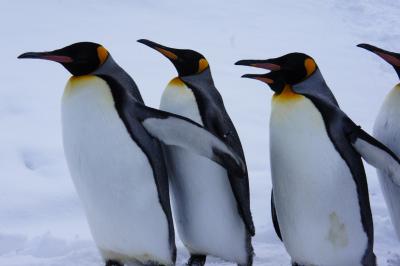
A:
(243, 63)
(26, 55)
(367, 47)
(238, 63)
(147, 43)
(362, 45)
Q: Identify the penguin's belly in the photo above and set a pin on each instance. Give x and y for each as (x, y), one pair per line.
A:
(387, 130)
(112, 176)
(315, 194)
(205, 209)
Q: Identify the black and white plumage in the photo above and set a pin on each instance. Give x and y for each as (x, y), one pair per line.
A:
(201, 189)
(113, 146)
(387, 130)
(320, 188)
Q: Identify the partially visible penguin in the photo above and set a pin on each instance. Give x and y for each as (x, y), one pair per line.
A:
(320, 188)
(212, 206)
(387, 130)
(112, 144)
(276, 83)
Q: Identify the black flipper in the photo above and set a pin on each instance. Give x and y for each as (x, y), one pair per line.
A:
(217, 120)
(197, 260)
(174, 130)
(225, 129)
(274, 217)
(375, 153)
(113, 263)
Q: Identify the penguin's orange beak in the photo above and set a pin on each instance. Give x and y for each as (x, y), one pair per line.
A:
(264, 64)
(390, 57)
(273, 79)
(261, 77)
(47, 56)
(168, 52)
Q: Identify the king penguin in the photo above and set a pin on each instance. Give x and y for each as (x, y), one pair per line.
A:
(320, 187)
(112, 144)
(387, 130)
(211, 205)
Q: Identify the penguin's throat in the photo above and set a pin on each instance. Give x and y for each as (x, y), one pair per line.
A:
(80, 78)
(287, 94)
(76, 82)
(176, 82)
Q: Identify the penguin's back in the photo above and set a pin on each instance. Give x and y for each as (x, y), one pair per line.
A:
(112, 175)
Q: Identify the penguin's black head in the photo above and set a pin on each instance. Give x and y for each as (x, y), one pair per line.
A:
(390, 57)
(187, 62)
(293, 67)
(79, 59)
(273, 79)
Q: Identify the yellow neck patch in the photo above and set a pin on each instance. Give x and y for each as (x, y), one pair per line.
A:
(102, 53)
(76, 81)
(397, 87)
(203, 64)
(310, 66)
(176, 82)
(287, 95)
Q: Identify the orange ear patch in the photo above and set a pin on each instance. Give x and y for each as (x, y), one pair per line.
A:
(102, 53)
(310, 66)
(203, 64)
(286, 95)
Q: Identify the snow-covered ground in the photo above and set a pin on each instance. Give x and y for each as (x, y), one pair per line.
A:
(41, 219)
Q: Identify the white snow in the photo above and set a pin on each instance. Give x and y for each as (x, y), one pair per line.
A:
(41, 217)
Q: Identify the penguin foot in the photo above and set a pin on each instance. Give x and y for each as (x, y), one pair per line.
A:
(197, 260)
(250, 263)
(154, 264)
(113, 263)
(296, 264)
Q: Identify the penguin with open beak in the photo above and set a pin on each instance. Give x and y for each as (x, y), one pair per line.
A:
(387, 129)
(113, 146)
(319, 183)
(202, 189)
